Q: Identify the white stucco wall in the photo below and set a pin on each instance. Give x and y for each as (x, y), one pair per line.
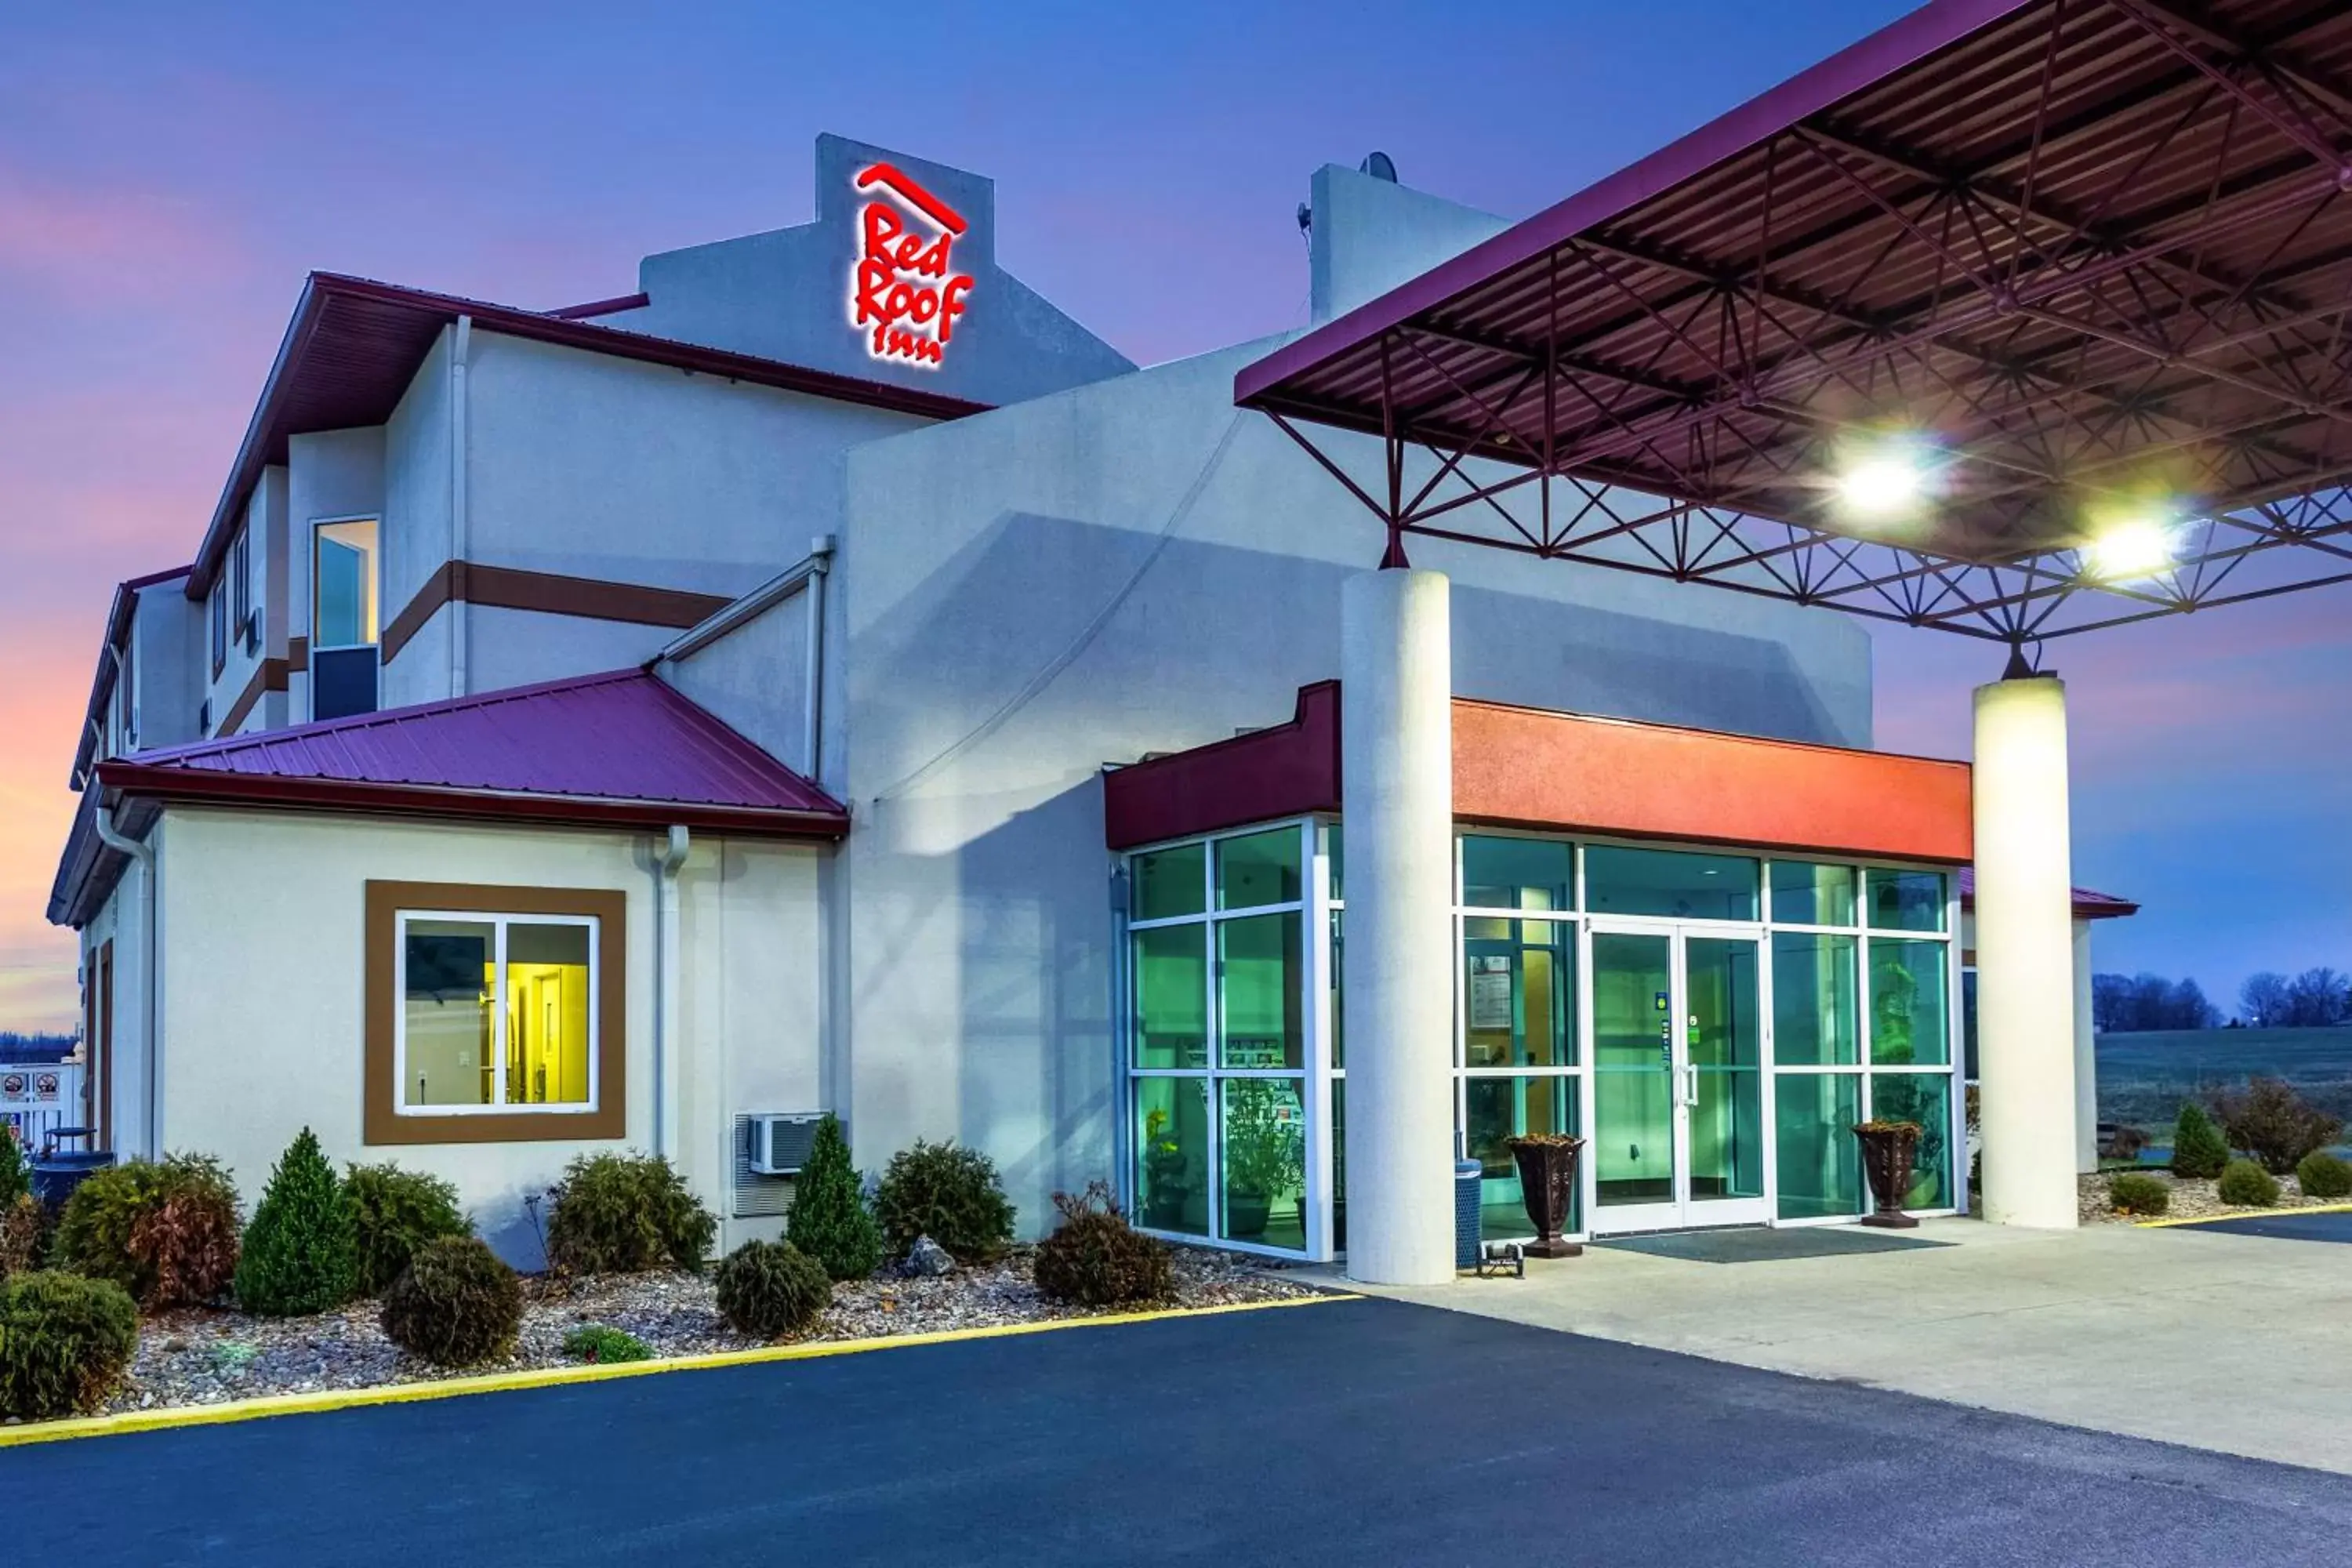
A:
(266, 970)
(414, 535)
(756, 679)
(1136, 567)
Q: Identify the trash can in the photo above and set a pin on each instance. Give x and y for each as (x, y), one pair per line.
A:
(58, 1172)
(1469, 1236)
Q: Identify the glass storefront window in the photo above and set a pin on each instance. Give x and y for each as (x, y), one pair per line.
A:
(1518, 874)
(1906, 901)
(1494, 1112)
(1338, 988)
(1168, 883)
(1927, 1099)
(1335, 849)
(1264, 1140)
(1518, 991)
(1258, 1003)
(1813, 1019)
(1820, 1159)
(1172, 1154)
(1907, 1002)
(1171, 996)
(1808, 895)
(1258, 869)
(1619, 882)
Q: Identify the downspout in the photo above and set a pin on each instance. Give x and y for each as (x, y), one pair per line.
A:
(150, 966)
(666, 983)
(813, 705)
(461, 351)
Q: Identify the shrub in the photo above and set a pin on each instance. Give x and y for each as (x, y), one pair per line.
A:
(2125, 1143)
(1097, 1259)
(604, 1345)
(394, 1212)
(2245, 1184)
(64, 1343)
(829, 1219)
(22, 1223)
(301, 1251)
(163, 1230)
(2322, 1176)
(767, 1288)
(623, 1214)
(949, 1193)
(2134, 1193)
(2273, 1124)
(454, 1304)
(16, 1173)
(2199, 1149)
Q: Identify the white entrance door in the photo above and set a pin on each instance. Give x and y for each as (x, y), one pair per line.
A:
(1677, 1078)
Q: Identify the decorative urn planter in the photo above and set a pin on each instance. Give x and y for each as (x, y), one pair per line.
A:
(1547, 1162)
(1888, 1150)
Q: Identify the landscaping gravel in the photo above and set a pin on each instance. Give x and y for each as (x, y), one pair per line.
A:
(211, 1355)
(2192, 1198)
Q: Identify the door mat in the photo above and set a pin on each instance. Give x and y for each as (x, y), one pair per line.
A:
(1760, 1245)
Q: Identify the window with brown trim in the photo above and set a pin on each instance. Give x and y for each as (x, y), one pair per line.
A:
(495, 1013)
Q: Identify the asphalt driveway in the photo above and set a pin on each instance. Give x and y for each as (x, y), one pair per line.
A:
(1357, 1433)
(2285, 1224)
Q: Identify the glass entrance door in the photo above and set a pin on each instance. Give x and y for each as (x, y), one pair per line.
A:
(1677, 1079)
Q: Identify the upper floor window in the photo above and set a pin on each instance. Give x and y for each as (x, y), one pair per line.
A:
(216, 624)
(344, 588)
(244, 629)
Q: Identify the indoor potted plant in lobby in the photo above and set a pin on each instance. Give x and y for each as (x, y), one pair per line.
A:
(1547, 1162)
(1889, 1149)
(1165, 1190)
(1264, 1155)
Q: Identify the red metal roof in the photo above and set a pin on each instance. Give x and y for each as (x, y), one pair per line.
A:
(2090, 904)
(2094, 250)
(620, 749)
(354, 344)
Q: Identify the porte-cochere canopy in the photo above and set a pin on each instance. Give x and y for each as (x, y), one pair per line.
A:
(2017, 318)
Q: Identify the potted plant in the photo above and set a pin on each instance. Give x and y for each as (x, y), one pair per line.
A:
(1547, 1162)
(1888, 1150)
(1165, 1190)
(1265, 1154)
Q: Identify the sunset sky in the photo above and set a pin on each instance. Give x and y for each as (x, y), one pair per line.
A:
(169, 173)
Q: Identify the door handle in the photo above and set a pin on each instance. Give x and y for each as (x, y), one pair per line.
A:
(1690, 1087)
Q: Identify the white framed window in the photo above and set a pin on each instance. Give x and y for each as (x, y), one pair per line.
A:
(497, 1012)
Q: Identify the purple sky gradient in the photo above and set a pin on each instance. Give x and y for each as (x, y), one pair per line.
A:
(169, 173)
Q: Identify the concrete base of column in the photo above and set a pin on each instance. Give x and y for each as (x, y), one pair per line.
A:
(2025, 953)
(1396, 726)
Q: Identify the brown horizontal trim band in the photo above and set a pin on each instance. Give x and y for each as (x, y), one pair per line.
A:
(298, 654)
(547, 594)
(611, 307)
(217, 786)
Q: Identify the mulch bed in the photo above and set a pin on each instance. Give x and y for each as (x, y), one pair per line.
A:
(211, 1355)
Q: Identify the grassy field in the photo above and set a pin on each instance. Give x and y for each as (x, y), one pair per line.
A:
(2144, 1077)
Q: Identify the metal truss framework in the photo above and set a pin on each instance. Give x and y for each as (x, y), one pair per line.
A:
(2066, 345)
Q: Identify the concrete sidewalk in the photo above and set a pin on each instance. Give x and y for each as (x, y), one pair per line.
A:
(2239, 1343)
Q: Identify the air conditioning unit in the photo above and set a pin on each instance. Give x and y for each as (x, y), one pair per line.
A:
(779, 1140)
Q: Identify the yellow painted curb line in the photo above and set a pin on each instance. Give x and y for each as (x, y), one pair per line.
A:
(555, 1376)
(2244, 1213)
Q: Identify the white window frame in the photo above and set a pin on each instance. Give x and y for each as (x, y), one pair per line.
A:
(499, 923)
(376, 586)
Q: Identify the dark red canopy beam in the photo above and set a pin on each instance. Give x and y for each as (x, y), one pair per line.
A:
(2096, 254)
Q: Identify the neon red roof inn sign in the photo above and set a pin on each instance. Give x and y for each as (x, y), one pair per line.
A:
(904, 290)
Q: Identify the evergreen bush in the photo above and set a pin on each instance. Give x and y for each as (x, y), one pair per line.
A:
(16, 1171)
(2135, 1191)
(947, 1193)
(1097, 1259)
(624, 1213)
(455, 1305)
(394, 1212)
(2245, 1184)
(164, 1230)
(2199, 1149)
(2322, 1176)
(22, 1224)
(769, 1289)
(65, 1341)
(301, 1251)
(605, 1346)
(2273, 1124)
(829, 1219)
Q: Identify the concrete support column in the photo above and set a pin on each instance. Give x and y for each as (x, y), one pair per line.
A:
(1396, 727)
(2086, 1060)
(2025, 953)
